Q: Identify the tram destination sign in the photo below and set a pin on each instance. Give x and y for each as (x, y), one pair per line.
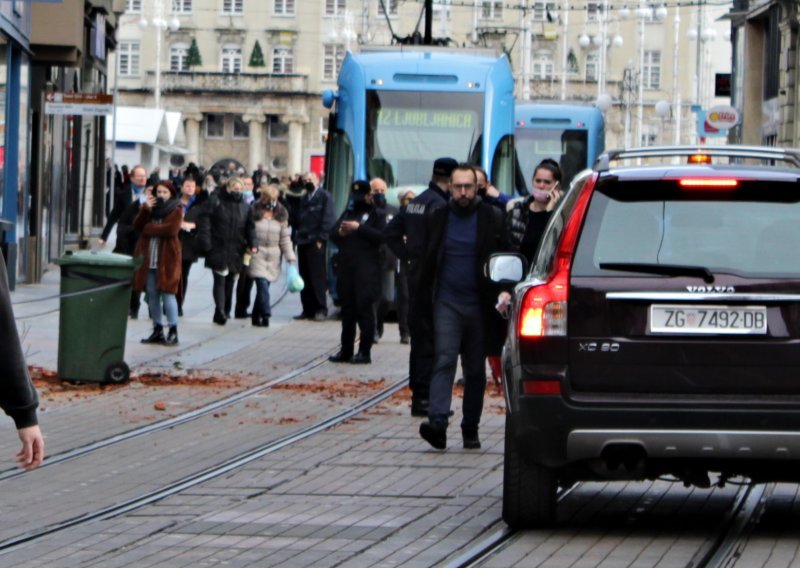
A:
(78, 104)
(426, 118)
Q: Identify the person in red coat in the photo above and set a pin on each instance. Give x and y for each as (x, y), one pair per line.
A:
(159, 224)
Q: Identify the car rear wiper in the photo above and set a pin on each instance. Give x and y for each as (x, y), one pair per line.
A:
(666, 269)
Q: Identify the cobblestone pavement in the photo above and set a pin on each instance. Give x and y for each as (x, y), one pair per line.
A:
(368, 492)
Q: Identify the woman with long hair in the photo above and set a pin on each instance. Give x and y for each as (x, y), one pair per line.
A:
(158, 223)
(274, 241)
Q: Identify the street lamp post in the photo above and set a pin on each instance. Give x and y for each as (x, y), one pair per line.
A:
(161, 25)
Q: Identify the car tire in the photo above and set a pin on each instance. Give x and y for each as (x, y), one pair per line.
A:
(529, 489)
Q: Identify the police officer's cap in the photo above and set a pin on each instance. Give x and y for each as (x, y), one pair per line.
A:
(360, 186)
(443, 167)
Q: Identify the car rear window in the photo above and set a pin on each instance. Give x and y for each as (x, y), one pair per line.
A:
(751, 231)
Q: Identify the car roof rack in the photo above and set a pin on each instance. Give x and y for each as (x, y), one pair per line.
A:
(790, 156)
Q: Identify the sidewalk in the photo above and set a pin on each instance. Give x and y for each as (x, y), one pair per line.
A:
(201, 341)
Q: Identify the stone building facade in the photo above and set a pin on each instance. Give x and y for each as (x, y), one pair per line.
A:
(247, 75)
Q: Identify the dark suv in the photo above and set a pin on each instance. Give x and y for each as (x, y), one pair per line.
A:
(658, 331)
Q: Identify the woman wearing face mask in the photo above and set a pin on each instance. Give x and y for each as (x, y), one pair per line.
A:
(159, 223)
(274, 241)
(359, 235)
(527, 218)
(226, 231)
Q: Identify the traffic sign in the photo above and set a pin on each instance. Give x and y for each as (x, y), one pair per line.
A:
(78, 104)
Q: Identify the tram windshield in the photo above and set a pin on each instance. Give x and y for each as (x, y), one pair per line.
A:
(408, 130)
(567, 147)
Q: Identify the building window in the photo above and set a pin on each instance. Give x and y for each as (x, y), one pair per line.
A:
(241, 129)
(544, 11)
(178, 56)
(215, 126)
(491, 10)
(128, 58)
(277, 130)
(389, 6)
(181, 6)
(334, 54)
(651, 74)
(231, 59)
(593, 11)
(542, 65)
(133, 6)
(282, 60)
(335, 7)
(439, 7)
(283, 8)
(592, 66)
(233, 7)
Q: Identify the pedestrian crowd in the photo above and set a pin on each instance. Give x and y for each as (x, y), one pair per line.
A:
(426, 258)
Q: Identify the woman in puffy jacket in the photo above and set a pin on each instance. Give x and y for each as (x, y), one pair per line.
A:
(226, 233)
(158, 223)
(274, 241)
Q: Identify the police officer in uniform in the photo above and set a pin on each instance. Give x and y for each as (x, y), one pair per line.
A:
(406, 237)
(359, 236)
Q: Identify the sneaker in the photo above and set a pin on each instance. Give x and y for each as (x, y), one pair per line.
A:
(470, 438)
(435, 433)
(320, 316)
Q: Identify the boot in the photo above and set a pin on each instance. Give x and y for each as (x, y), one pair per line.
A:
(219, 318)
(172, 336)
(157, 336)
(470, 438)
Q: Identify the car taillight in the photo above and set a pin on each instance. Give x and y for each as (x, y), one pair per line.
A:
(541, 386)
(544, 307)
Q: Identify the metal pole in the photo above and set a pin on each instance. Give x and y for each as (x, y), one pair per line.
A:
(676, 91)
(429, 22)
(526, 53)
(564, 46)
(640, 120)
(601, 84)
(114, 94)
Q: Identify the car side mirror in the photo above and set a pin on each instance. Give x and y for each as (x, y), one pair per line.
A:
(506, 268)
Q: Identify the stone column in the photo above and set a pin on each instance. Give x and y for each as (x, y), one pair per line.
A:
(295, 158)
(256, 139)
(192, 125)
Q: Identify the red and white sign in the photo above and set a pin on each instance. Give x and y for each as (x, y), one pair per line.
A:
(722, 117)
(78, 103)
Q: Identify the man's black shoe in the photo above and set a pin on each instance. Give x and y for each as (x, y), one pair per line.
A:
(340, 358)
(241, 315)
(361, 359)
(471, 439)
(435, 433)
(419, 407)
(219, 319)
(301, 317)
(405, 339)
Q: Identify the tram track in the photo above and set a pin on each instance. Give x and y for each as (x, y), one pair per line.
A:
(721, 548)
(206, 474)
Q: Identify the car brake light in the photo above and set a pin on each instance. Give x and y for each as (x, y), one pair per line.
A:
(544, 307)
(708, 183)
(541, 387)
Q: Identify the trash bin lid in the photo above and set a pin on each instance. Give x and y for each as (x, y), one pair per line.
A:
(95, 258)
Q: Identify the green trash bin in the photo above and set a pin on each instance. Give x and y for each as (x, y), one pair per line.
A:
(92, 326)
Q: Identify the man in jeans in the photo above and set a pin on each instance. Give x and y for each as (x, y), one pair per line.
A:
(315, 219)
(461, 237)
